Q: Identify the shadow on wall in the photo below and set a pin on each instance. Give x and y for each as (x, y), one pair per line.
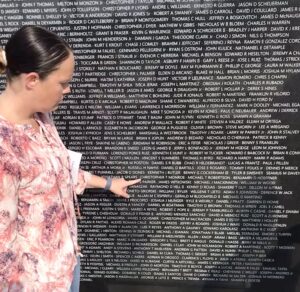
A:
(112, 287)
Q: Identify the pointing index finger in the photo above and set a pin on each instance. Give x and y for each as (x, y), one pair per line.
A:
(133, 182)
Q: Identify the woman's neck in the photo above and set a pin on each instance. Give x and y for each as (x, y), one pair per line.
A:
(14, 106)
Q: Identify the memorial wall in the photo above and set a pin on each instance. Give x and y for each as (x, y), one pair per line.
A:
(200, 99)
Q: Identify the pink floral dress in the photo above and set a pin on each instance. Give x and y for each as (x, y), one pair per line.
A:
(38, 233)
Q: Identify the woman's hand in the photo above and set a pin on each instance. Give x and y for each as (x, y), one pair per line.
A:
(119, 186)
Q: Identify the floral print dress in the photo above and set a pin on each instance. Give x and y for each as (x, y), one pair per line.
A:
(38, 233)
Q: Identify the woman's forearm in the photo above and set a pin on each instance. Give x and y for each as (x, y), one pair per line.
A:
(118, 186)
(96, 181)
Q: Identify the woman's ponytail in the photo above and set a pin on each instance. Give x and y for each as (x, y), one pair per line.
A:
(3, 61)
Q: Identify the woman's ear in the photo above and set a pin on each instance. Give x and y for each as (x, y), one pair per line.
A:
(31, 80)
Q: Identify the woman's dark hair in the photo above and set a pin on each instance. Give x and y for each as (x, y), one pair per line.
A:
(34, 49)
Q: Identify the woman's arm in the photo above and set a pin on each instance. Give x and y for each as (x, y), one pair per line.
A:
(118, 186)
(9, 184)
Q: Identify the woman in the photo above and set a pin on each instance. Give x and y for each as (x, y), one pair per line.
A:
(38, 233)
